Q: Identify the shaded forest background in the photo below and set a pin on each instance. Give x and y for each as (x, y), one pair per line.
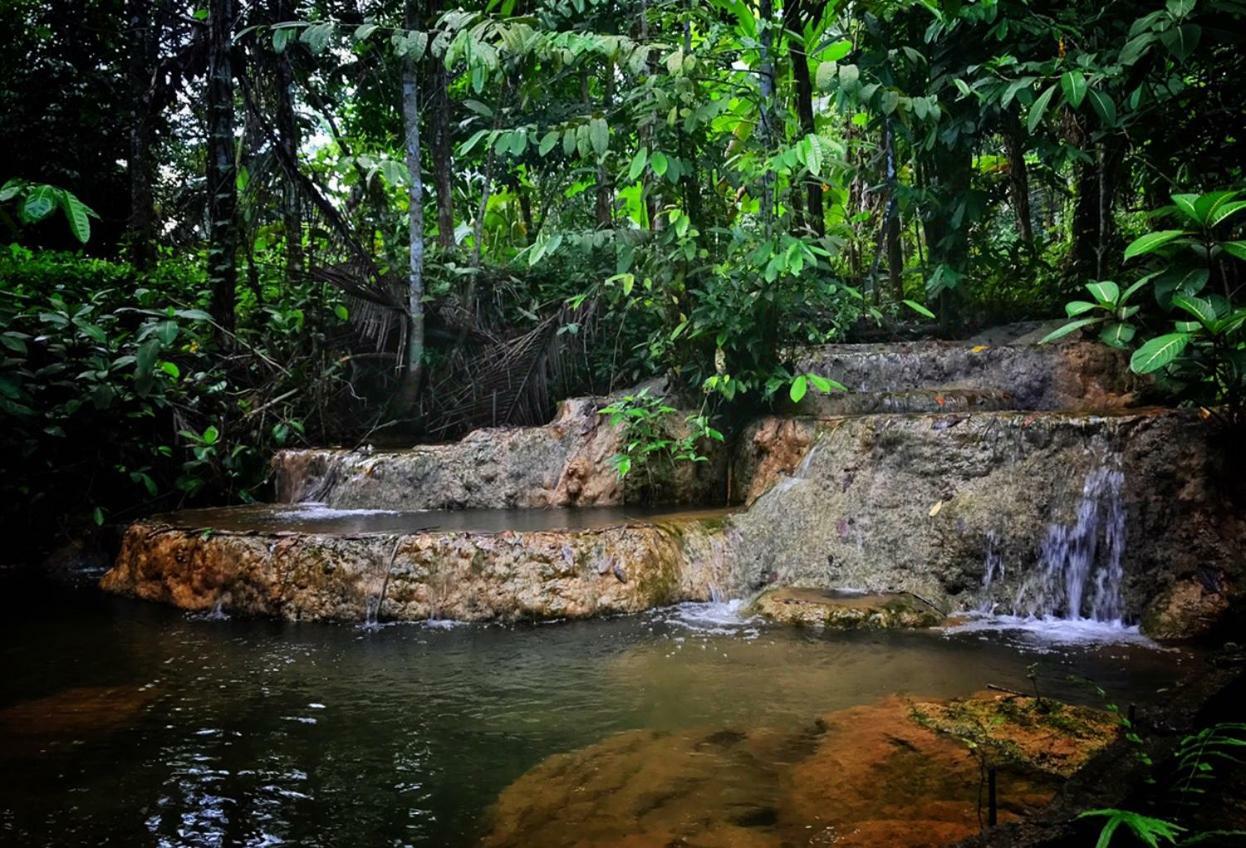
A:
(236, 226)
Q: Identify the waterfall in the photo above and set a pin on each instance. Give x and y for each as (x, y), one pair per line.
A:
(1079, 571)
(994, 571)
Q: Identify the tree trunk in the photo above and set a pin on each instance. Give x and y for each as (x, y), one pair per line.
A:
(1018, 177)
(221, 172)
(142, 33)
(604, 201)
(413, 363)
(765, 108)
(1094, 228)
(288, 136)
(795, 17)
(439, 128)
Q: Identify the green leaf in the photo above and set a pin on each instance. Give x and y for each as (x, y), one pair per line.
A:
(1235, 248)
(39, 204)
(825, 73)
(799, 387)
(1105, 292)
(1069, 328)
(599, 135)
(638, 164)
(1078, 307)
(79, 216)
(1181, 41)
(1103, 106)
(171, 369)
(316, 36)
(658, 162)
(547, 142)
(1117, 334)
(1198, 307)
(1073, 84)
(1035, 116)
(1223, 213)
(1158, 352)
(1187, 204)
(211, 435)
(1151, 242)
(341, 312)
(363, 31)
(825, 385)
(918, 308)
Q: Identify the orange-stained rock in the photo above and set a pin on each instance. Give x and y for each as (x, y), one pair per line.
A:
(874, 776)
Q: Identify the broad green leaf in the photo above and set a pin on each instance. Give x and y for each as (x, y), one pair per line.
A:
(1207, 204)
(658, 162)
(1078, 307)
(1035, 116)
(1135, 48)
(849, 76)
(1181, 40)
(799, 387)
(1235, 248)
(171, 369)
(363, 31)
(826, 72)
(547, 142)
(1117, 334)
(1068, 328)
(1226, 211)
(1073, 84)
(1103, 106)
(11, 189)
(638, 164)
(79, 216)
(316, 36)
(1151, 242)
(599, 135)
(1187, 205)
(824, 385)
(1198, 307)
(211, 435)
(39, 204)
(889, 101)
(918, 308)
(1158, 352)
(813, 159)
(1105, 292)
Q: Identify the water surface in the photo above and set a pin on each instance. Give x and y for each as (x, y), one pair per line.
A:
(124, 723)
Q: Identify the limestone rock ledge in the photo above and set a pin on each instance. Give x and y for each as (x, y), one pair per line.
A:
(466, 576)
(928, 504)
(565, 463)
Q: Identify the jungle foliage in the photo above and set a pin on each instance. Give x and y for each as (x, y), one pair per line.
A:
(315, 220)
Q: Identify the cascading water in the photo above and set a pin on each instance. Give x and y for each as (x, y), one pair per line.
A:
(994, 571)
(1079, 571)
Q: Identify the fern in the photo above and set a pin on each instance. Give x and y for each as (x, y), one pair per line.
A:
(1148, 830)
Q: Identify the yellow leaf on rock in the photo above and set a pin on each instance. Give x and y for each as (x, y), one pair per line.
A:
(934, 510)
(978, 348)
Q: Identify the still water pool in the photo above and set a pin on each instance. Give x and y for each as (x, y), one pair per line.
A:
(123, 723)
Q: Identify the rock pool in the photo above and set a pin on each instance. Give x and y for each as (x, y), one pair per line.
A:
(124, 723)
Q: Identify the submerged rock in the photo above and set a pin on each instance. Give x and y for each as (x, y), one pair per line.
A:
(877, 775)
(846, 610)
(1191, 607)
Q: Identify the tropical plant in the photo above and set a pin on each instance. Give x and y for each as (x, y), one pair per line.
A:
(1204, 353)
(646, 432)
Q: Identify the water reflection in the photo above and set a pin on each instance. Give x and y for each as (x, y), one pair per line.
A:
(236, 732)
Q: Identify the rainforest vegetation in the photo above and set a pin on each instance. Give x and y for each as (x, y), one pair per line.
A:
(232, 226)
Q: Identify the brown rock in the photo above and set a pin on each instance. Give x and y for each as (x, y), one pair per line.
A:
(1191, 607)
(846, 610)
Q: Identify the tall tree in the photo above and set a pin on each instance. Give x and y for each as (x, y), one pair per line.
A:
(142, 43)
(221, 171)
(414, 355)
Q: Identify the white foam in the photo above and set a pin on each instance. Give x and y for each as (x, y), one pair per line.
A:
(1055, 631)
(315, 511)
(710, 617)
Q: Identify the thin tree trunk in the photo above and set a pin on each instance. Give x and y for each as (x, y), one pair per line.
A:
(1018, 177)
(288, 135)
(765, 109)
(221, 171)
(604, 201)
(891, 221)
(439, 128)
(142, 33)
(413, 363)
(795, 22)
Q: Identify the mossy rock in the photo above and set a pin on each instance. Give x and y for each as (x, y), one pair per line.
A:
(840, 610)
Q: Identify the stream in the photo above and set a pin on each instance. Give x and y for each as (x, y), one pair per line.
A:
(125, 723)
